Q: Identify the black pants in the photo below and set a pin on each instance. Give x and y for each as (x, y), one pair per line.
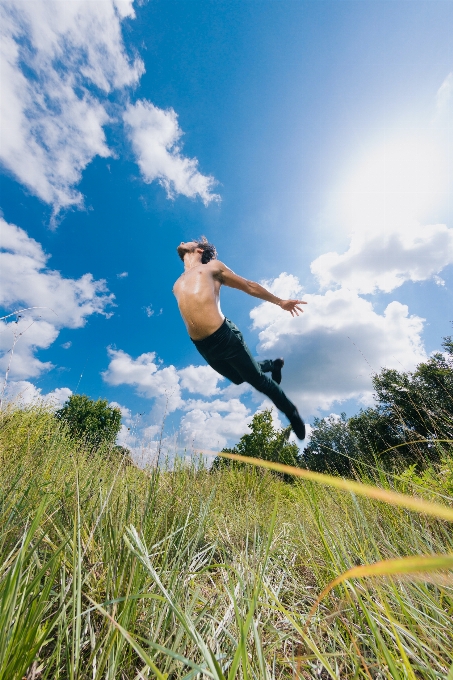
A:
(226, 352)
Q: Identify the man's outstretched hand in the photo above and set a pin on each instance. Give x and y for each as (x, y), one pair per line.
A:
(292, 306)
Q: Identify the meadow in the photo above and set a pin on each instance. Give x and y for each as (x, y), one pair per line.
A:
(110, 571)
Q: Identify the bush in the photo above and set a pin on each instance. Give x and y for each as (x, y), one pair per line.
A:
(93, 421)
(265, 442)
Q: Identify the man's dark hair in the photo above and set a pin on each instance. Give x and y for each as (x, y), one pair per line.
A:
(209, 251)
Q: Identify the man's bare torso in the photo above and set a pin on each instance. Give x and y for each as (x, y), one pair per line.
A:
(197, 292)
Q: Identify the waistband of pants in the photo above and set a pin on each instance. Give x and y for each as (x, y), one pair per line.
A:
(214, 336)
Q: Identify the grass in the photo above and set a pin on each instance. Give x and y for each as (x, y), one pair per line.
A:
(108, 571)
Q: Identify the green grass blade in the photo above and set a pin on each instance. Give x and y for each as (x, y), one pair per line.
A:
(390, 497)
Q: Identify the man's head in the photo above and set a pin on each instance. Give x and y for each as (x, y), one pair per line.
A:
(206, 249)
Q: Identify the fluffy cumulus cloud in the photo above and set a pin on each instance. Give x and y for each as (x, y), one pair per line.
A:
(19, 342)
(26, 281)
(150, 379)
(24, 392)
(64, 68)
(200, 380)
(332, 350)
(204, 425)
(127, 435)
(211, 425)
(58, 62)
(146, 376)
(155, 136)
(383, 261)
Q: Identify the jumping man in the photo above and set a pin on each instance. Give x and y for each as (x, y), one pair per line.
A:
(217, 339)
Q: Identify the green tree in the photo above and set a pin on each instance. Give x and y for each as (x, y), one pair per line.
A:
(410, 409)
(263, 441)
(94, 421)
(420, 403)
(332, 446)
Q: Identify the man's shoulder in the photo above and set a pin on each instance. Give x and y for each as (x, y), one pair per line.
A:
(217, 268)
(218, 265)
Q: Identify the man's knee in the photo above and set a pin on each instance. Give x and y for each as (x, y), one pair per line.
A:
(236, 381)
(260, 382)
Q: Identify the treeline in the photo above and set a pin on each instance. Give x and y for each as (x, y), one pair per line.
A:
(412, 416)
(409, 424)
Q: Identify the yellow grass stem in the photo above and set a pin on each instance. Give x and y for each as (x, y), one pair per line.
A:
(367, 490)
(394, 567)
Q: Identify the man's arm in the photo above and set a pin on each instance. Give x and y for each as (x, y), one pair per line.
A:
(232, 280)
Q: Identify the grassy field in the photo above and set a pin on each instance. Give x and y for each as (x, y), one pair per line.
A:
(108, 571)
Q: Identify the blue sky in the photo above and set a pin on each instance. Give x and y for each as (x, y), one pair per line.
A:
(310, 141)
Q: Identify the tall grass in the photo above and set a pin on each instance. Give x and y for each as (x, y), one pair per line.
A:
(108, 571)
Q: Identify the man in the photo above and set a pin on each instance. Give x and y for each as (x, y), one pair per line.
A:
(217, 339)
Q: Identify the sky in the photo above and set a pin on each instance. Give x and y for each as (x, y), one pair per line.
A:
(310, 141)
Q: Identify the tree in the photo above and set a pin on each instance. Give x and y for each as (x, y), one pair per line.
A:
(413, 411)
(94, 421)
(332, 446)
(263, 441)
(421, 402)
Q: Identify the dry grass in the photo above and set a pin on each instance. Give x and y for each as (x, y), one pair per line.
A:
(109, 571)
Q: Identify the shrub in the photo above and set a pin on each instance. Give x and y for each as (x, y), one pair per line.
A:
(264, 441)
(94, 421)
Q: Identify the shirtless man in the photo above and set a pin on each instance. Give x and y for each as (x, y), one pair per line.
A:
(217, 339)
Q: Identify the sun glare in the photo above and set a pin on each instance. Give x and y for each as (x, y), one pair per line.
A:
(396, 182)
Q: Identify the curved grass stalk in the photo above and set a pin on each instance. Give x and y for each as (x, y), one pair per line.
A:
(393, 567)
(391, 497)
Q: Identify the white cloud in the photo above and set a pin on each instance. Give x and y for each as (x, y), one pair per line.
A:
(66, 345)
(19, 343)
(200, 379)
(383, 261)
(206, 424)
(332, 350)
(155, 135)
(218, 405)
(25, 393)
(126, 413)
(204, 427)
(58, 61)
(123, 275)
(390, 202)
(127, 435)
(58, 396)
(145, 375)
(25, 281)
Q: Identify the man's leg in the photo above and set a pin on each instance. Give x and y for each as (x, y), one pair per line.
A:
(266, 366)
(274, 367)
(250, 372)
(227, 370)
(242, 361)
(226, 352)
